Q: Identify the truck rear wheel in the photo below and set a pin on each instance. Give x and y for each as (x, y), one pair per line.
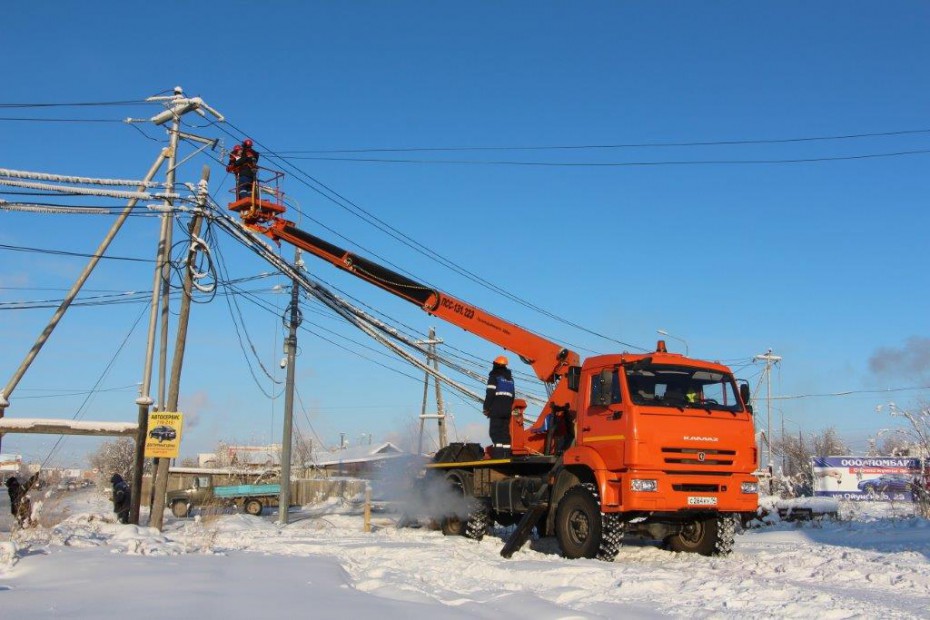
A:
(253, 507)
(475, 524)
(180, 509)
(582, 530)
(710, 535)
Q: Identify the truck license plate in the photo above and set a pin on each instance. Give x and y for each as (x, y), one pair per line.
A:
(702, 501)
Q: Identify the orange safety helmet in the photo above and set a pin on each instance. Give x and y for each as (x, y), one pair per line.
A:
(500, 360)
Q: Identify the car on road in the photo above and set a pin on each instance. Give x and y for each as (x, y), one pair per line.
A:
(163, 433)
(886, 483)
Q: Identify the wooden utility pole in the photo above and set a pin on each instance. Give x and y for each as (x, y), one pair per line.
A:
(160, 481)
(432, 360)
(290, 346)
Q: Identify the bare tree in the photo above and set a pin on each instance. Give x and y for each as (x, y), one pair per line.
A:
(828, 443)
(114, 457)
(796, 477)
(917, 432)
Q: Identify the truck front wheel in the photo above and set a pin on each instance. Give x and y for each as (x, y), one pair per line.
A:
(582, 530)
(711, 535)
(253, 507)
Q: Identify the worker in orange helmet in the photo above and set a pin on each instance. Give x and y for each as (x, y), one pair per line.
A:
(247, 169)
(498, 401)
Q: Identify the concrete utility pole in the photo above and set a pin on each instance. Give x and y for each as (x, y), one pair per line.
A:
(770, 360)
(290, 347)
(432, 360)
(162, 267)
(160, 481)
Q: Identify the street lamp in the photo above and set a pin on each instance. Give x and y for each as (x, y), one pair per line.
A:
(662, 332)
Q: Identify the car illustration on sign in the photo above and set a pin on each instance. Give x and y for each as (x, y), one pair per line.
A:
(886, 483)
(163, 433)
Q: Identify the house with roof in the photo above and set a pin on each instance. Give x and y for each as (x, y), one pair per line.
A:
(357, 461)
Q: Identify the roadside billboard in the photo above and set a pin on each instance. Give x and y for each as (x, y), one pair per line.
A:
(865, 478)
(163, 439)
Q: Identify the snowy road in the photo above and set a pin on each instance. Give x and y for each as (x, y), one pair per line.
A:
(322, 563)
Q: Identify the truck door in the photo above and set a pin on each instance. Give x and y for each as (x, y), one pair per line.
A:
(604, 421)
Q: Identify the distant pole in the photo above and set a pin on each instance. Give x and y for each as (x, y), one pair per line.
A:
(770, 360)
(160, 481)
(290, 344)
(432, 360)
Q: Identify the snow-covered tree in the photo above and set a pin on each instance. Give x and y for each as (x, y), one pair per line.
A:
(114, 457)
(917, 433)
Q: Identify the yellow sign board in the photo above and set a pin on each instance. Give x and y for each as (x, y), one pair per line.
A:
(163, 439)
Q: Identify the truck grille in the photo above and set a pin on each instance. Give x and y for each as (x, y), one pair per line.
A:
(697, 488)
(698, 456)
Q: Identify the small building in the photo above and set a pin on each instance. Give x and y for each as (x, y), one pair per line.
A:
(256, 458)
(357, 461)
(10, 463)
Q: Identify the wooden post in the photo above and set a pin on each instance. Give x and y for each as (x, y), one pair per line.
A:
(367, 527)
(160, 482)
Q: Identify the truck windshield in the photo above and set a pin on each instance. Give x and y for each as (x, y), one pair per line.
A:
(682, 387)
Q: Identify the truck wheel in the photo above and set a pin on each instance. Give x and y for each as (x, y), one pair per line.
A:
(582, 530)
(253, 507)
(698, 536)
(474, 525)
(726, 533)
(180, 509)
(478, 523)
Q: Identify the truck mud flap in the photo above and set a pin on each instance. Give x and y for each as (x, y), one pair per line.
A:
(524, 527)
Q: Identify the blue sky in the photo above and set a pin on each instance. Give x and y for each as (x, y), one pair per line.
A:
(824, 262)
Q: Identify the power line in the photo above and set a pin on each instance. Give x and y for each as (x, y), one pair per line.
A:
(35, 119)
(750, 141)
(851, 392)
(22, 248)
(79, 104)
(566, 164)
(385, 227)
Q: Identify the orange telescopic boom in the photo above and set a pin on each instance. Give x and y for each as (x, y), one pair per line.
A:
(548, 359)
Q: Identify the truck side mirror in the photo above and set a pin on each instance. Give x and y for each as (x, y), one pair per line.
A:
(744, 394)
(574, 378)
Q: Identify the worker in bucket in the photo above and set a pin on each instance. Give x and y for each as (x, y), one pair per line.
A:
(121, 498)
(247, 169)
(498, 401)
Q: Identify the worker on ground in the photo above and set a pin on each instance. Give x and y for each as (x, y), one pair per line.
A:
(20, 506)
(121, 496)
(498, 401)
(247, 170)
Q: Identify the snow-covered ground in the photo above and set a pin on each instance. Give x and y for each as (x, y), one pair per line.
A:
(80, 564)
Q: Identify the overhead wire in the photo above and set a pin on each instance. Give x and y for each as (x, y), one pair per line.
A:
(405, 239)
(738, 142)
(93, 391)
(613, 164)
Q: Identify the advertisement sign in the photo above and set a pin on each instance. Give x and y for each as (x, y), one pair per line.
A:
(163, 439)
(865, 478)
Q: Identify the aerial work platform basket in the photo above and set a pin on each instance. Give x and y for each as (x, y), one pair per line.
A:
(265, 202)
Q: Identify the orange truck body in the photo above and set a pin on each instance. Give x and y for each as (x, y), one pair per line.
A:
(612, 437)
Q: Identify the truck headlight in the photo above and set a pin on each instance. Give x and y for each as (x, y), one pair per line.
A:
(644, 485)
(749, 487)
